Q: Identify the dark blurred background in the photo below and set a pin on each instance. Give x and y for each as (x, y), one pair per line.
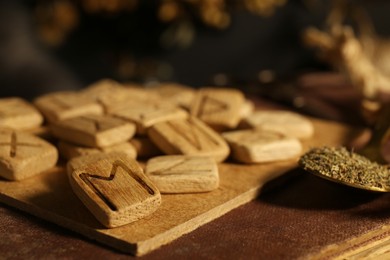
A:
(63, 44)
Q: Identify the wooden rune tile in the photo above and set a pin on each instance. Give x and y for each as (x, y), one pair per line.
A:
(259, 146)
(69, 150)
(124, 97)
(18, 114)
(23, 155)
(147, 114)
(64, 105)
(219, 108)
(188, 137)
(101, 88)
(183, 174)
(174, 93)
(93, 131)
(283, 122)
(113, 188)
(247, 108)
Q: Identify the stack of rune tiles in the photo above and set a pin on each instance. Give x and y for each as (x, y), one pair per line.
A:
(104, 130)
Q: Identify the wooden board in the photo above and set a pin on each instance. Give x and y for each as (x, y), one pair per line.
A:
(50, 197)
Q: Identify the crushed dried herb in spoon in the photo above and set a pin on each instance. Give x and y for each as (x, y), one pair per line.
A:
(342, 166)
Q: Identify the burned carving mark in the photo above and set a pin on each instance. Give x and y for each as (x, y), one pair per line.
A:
(193, 134)
(14, 144)
(95, 123)
(88, 179)
(209, 106)
(187, 133)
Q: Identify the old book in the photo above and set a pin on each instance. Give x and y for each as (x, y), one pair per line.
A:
(69, 150)
(64, 105)
(183, 173)
(283, 122)
(114, 188)
(259, 146)
(219, 108)
(23, 155)
(93, 131)
(18, 114)
(189, 137)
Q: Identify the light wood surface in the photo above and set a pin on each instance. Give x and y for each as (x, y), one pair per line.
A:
(63, 105)
(144, 115)
(183, 174)
(174, 93)
(50, 197)
(189, 137)
(284, 122)
(93, 130)
(18, 114)
(259, 146)
(69, 150)
(219, 108)
(23, 155)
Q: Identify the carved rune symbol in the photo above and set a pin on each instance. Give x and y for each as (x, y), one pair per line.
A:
(209, 105)
(97, 124)
(196, 136)
(115, 189)
(14, 144)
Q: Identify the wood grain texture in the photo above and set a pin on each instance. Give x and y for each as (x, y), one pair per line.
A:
(64, 105)
(219, 108)
(174, 93)
(183, 174)
(146, 114)
(50, 197)
(283, 122)
(259, 146)
(23, 155)
(69, 150)
(189, 137)
(247, 108)
(18, 114)
(114, 188)
(93, 131)
(120, 98)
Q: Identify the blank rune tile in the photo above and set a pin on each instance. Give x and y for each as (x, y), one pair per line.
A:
(258, 146)
(283, 122)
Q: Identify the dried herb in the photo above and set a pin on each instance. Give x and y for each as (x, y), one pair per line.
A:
(341, 165)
